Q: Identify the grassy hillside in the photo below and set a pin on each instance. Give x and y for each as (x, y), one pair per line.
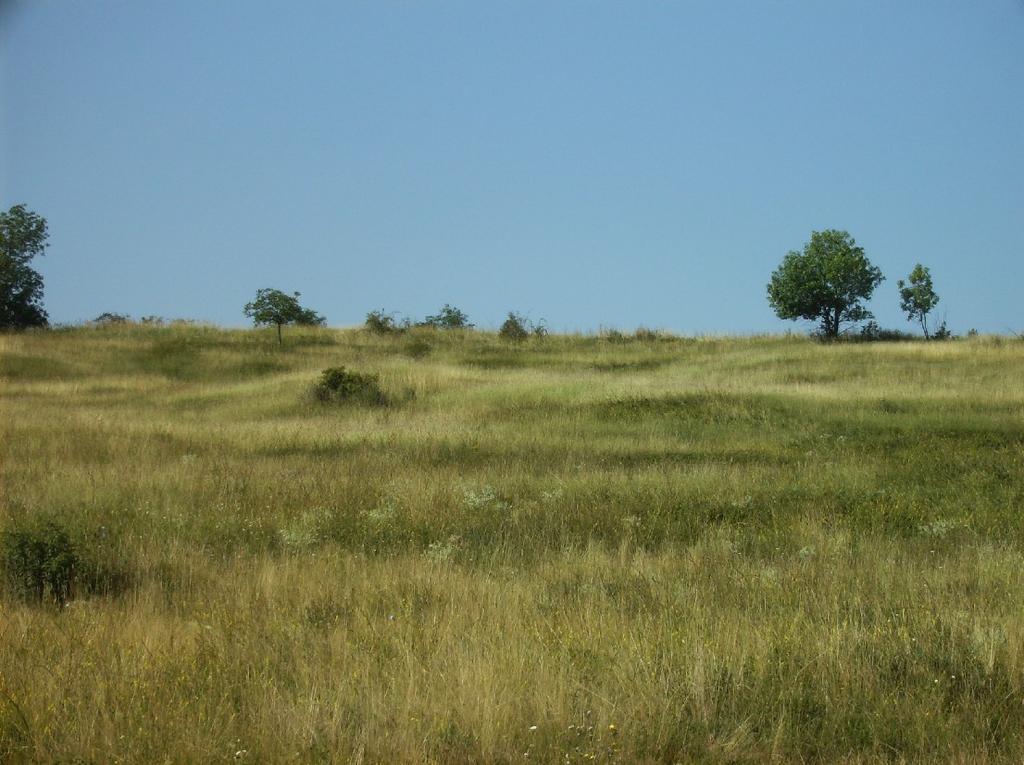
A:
(569, 550)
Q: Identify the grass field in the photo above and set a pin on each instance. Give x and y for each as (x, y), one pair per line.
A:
(575, 549)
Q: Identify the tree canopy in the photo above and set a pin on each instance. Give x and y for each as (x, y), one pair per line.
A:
(23, 235)
(917, 296)
(825, 283)
(273, 307)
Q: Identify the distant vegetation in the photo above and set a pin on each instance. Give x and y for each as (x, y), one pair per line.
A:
(275, 308)
(514, 328)
(108, 317)
(518, 328)
(827, 283)
(384, 323)
(449, 317)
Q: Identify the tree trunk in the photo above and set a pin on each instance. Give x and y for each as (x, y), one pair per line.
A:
(831, 323)
(279, 334)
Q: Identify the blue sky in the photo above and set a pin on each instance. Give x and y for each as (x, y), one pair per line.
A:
(595, 164)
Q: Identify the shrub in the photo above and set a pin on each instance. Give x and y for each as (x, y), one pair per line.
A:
(645, 335)
(615, 336)
(39, 561)
(514, 328)
(517, 328)
(449, 317)
(108, 318)
(942, 332)
(382, 323)
(338, 385)
(871, 332)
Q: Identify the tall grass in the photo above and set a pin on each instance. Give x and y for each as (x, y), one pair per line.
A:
(570, 549)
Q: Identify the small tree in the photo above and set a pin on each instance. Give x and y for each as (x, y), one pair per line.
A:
(449, 317)
(515, 328)
(825, 283)
(917, 297)
(23, 235)
(273, 307)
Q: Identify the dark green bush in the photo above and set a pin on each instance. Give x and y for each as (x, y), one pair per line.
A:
(871, 332)
(517, 328)
(383, 323)
(42, 560)
(39, 561)
(449, 317)
(339, 385)
(943, 333)
(514, 328)
(108, 318)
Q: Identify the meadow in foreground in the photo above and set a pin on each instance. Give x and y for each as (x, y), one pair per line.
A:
(565, 550)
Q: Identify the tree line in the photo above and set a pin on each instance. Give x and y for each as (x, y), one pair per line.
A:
(831, 278)
(827, 282)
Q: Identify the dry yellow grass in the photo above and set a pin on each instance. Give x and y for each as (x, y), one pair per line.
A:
(573, 550)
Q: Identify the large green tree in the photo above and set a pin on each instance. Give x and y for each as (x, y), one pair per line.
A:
(825, 283)
(273, 307)
(917, 296)
(22, 236)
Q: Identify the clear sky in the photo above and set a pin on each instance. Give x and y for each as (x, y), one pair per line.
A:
(595, 164)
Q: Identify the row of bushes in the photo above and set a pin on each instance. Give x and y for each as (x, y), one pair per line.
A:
(871, 332)
(515, 328)
(449, 317)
